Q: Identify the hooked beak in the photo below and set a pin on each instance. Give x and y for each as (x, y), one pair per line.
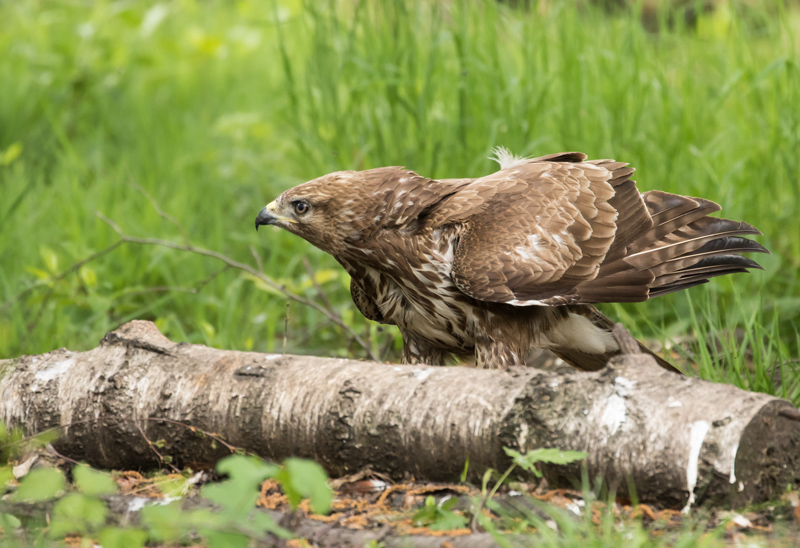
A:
(267, 216)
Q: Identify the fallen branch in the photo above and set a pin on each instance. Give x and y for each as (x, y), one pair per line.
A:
(676, 439)
(231, 263)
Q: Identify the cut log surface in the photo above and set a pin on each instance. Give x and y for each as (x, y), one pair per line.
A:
(678, 440)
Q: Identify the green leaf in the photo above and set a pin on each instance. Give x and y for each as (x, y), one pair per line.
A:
(88, 276)
(6, 475)
(548, 455)
(487, 477)
(251, 470)
(301, 479)
(238, 494)
(114, 537)
(447, 521)
(465, 471)
(222, 539)
(77, 513)
(50, 259)
(439, 517)
(10, 154)
(40, 484)
(93, 482)
(449, 503)
(426, 514)
(8, 522)
(551, 456)
(163, 521)
(263, 523)
(235, 498)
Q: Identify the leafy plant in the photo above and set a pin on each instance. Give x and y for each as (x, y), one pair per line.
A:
(529, 460)
(440, 517)
(80, 509)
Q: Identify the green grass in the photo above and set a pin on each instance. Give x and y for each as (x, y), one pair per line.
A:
(213, 108)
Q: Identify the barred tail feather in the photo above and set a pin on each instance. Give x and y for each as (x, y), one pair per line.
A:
(683, 247)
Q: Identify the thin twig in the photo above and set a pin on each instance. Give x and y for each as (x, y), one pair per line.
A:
(246, 268)
(52, 450)
(257, 257)
(159, 289)
(153, 447)
(163, 214)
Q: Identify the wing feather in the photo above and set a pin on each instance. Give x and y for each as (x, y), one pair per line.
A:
(545, 226)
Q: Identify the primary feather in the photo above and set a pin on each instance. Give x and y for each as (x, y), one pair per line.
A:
(503, 264)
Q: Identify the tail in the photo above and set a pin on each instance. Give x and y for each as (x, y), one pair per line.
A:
(683, 247)
(571, 344)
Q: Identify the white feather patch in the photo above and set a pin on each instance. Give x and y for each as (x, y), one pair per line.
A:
(506, 158)
(580, 333)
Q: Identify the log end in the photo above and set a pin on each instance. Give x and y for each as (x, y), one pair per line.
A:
(768, 456)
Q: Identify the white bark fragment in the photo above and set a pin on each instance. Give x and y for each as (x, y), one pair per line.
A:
(699, 429)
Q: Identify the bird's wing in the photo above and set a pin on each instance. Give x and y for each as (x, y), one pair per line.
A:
(535, 230)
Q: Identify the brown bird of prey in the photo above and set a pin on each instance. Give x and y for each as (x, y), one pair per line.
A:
(503, 264)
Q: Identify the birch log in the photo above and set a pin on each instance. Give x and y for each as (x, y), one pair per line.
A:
(677, 439)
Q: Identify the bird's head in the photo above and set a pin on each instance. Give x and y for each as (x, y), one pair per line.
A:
(329, 212)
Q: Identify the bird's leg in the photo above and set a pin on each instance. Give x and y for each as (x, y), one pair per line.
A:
(415, 351)
(494, 354)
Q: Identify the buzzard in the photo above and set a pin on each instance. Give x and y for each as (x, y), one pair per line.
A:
(503, 264)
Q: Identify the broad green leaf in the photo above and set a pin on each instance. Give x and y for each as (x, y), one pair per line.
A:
(223, 539)
(301, 479)
(547, 455)
(447, 521)
(39, 273)
(449, 503)
(263, 523)
(7, 522)
(234, 497)
(251, 470)
(261, 284)
(163, 521)
(40, 484)
(6, 475)
(207, 328)
(77, 513)
(50, 259)
(439, 517)
(320, 277)
(238, 494)
(93, 482)
(115, 537)
(10, 154)
(88, 275)
(426, 514)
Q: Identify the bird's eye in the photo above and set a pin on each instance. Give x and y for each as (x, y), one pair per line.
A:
(301, 208)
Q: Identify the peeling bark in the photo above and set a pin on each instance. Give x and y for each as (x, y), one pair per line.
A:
(677, 439)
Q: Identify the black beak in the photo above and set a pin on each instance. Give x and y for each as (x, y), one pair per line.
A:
(265, 218)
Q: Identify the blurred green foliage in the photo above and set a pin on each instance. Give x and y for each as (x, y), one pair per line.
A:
(212, 108)
(80, 509)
